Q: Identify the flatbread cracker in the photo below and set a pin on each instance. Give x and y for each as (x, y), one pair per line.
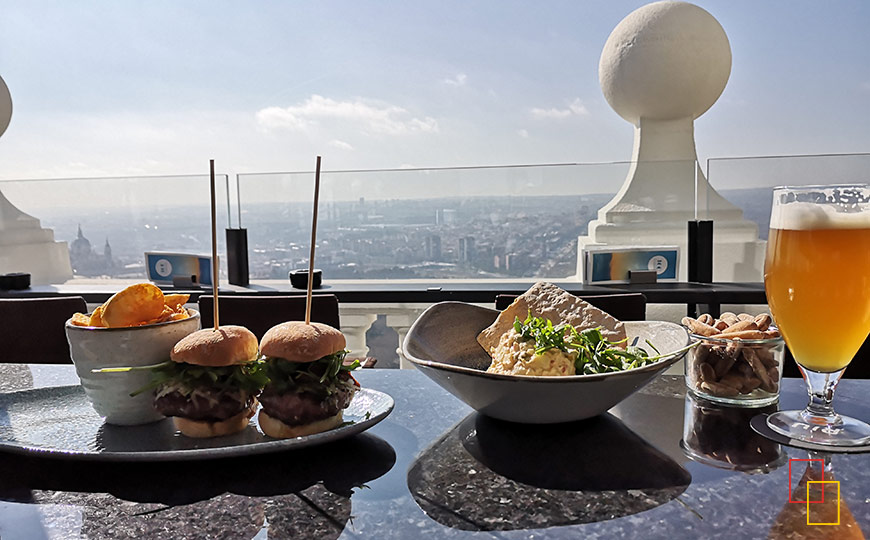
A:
(551, 302)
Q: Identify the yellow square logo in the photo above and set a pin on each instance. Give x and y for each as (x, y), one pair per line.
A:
(809, 483)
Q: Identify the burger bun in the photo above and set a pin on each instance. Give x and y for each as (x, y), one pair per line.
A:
(296, 341)
(228, 345)
(279, 430)
(201, 429)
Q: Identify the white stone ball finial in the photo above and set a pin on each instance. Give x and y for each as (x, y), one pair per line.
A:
(665, 61)
(5, 106)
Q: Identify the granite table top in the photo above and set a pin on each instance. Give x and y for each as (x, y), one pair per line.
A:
(659, 465)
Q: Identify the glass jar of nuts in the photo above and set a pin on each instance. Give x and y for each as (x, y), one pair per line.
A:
(738, 360)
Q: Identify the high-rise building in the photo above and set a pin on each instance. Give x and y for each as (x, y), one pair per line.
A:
(466, 249)
(445, 216)
(433, 247)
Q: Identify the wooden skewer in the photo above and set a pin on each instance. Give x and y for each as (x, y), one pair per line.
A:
(313, 240)
(214, 259)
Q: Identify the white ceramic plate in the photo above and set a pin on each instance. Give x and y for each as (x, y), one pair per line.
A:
(60, 422)
(442, 343)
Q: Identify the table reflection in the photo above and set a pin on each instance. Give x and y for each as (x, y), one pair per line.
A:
(720, 436)
(827, 516)
(487, 474)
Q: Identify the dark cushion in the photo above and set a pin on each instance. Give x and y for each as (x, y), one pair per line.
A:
(33, 329)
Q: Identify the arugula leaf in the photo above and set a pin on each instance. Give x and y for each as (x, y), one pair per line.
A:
(542, 332)
(250, 377)
(594, 353)
(315, 377)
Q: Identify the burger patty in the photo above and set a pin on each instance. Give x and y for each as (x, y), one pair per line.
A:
(298, 408)
(206, 404)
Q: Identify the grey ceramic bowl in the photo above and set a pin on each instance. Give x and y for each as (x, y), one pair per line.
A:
(442, 343)
(109, 393)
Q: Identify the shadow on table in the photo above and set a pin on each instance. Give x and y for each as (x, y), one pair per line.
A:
(300, 492)
(487, 474)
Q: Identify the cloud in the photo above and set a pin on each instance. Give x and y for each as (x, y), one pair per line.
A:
(459, 80)
(335, 143)
(523, 133)
(865, 86)
(316, 110)
(575, 108)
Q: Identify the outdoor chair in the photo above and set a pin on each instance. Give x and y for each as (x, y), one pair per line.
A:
(260, 313)
(33, 328)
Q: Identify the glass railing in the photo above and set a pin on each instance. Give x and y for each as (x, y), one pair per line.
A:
(748, 182)
(447, 223)
(457, 223)
(109, 223)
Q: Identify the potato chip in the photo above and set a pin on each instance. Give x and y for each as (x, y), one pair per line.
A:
(80, 319)
(175, 300)
(163, 317)
(138, 305)
(167, 314)
(97, 317)
(133, 306)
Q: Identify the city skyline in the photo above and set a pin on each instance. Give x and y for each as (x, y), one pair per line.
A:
(447, 238)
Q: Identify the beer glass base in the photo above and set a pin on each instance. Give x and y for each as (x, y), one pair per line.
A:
(836, 431)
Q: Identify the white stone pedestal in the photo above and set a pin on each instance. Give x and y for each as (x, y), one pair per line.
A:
(662, 67)
(660, 196)
(26, 247)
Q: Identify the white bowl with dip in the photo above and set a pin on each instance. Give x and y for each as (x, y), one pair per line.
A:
(442, 343)
(93, 348)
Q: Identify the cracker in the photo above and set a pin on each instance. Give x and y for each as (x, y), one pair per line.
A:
(559, 306)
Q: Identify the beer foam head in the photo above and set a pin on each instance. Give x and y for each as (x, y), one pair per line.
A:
(811, 216)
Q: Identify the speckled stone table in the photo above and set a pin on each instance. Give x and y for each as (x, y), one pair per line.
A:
(659, 465)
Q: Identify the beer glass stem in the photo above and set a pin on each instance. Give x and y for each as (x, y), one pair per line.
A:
(820, 387)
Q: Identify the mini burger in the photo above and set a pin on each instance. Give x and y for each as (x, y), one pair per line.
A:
(211, 385)
(309, 384)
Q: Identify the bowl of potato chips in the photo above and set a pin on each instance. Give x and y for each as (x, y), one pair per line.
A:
(138, 326)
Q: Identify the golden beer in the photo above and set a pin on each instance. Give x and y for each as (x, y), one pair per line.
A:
(818, 287)
(817, 277)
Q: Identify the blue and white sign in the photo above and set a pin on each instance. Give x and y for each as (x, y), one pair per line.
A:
(612, 264)
(164, 268)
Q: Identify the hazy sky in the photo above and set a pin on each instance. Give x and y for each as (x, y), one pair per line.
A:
(159, 87)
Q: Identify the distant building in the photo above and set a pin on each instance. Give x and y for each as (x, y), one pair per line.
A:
(86, 261)
(499, 259)
(445, 216)
(433, 247)
(517, 263)
(466, 249)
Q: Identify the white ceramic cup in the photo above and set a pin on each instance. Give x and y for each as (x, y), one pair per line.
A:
(109, 393)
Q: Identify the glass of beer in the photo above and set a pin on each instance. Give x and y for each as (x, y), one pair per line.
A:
(817, 279)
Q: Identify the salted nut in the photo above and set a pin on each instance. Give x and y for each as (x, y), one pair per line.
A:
(733, 367)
